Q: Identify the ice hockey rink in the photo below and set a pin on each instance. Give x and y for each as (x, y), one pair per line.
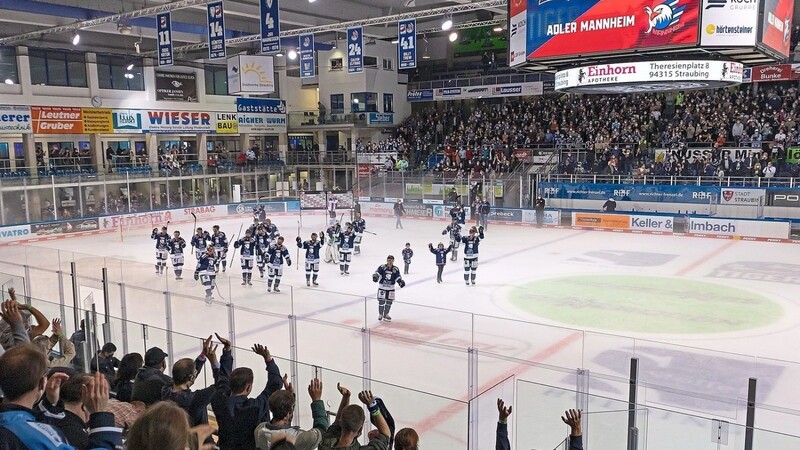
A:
(702, 315)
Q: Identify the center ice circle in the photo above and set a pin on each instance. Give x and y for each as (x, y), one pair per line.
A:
(645, 304)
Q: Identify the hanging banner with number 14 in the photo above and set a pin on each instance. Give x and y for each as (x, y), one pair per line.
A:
(407, 43)
(164, 28)
(216, 31)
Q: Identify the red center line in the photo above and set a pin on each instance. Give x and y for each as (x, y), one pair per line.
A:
(444, 414)
(705, 258)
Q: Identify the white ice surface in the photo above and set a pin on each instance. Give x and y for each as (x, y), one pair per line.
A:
(425, 348)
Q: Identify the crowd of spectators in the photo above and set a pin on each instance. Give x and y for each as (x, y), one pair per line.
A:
(59, 400)
(739, 131)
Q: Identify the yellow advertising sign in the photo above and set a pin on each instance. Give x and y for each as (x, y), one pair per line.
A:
(97, 121)
(227, 123)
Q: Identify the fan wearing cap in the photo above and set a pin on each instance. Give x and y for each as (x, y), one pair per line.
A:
(151, 377)
(387, 275)
(281, 405)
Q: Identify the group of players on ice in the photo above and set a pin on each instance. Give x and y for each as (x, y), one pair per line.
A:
(263, 247)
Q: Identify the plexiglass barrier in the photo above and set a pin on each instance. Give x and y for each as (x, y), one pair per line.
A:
(452, 357)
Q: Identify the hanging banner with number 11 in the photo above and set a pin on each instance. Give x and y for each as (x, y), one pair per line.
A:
(407, 43)
(270, 26)
(164, 28)
(216, 31)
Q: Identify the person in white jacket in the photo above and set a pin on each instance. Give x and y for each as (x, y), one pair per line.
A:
(769, 171)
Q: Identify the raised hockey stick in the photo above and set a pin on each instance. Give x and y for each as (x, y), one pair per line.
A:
(194, 228)
(370, 232)
(233, 255)
(297, 261)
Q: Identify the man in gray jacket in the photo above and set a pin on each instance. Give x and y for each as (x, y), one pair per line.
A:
(281, 405)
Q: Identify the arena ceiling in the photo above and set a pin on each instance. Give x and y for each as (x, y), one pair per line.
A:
(189, 24)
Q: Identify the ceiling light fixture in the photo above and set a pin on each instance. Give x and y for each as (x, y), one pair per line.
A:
(498, 29)
(130, 67)
(447, 24)
(280, 53)
(292, 54)
(453, 36)
(129, 76)
(395, 41)
(9, 81)
(76, 38)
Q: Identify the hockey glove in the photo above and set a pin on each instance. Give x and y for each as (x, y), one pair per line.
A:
(155, 230)
(288, 262)
(480, 230)
(444, 232)
(401, 283)
(375, 277)
(298, 239)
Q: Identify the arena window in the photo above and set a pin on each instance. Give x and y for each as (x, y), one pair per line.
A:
(113, 73)
(57, 68)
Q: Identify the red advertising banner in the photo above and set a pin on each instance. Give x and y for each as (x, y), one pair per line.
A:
(560, 28)
(775, 72)
(776, 26)
(57, 120)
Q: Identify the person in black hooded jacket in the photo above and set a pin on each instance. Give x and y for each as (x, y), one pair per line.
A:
(184, 373)
(238, 415)
(151, 378)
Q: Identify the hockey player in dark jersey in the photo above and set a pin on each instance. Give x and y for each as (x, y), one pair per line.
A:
(471, 244)
(454, 232)
(272, 231)
(206, 273)
(359, 225)
(176, 246)
(276, 254)
(162, 248)
(200, 242)
(458, 214)
(441, 258)
(386, 276)
(262, 244)
(346, 242)
(254, 227)
(407, 254)
(332, 250)
(247, 255)
(220, 242)
(312, 248)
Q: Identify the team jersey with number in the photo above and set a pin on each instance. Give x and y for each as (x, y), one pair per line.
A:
(276, 255)
(388, 276)
(176, 246)
(162, 240)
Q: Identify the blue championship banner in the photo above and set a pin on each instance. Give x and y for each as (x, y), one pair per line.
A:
(407, 43)
(216, 31)
(164, 28)
(270, 26)
(631, 192)
(355, 50)
(307, 65)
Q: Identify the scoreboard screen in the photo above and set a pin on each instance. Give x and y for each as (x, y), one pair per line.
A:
(560, 28)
